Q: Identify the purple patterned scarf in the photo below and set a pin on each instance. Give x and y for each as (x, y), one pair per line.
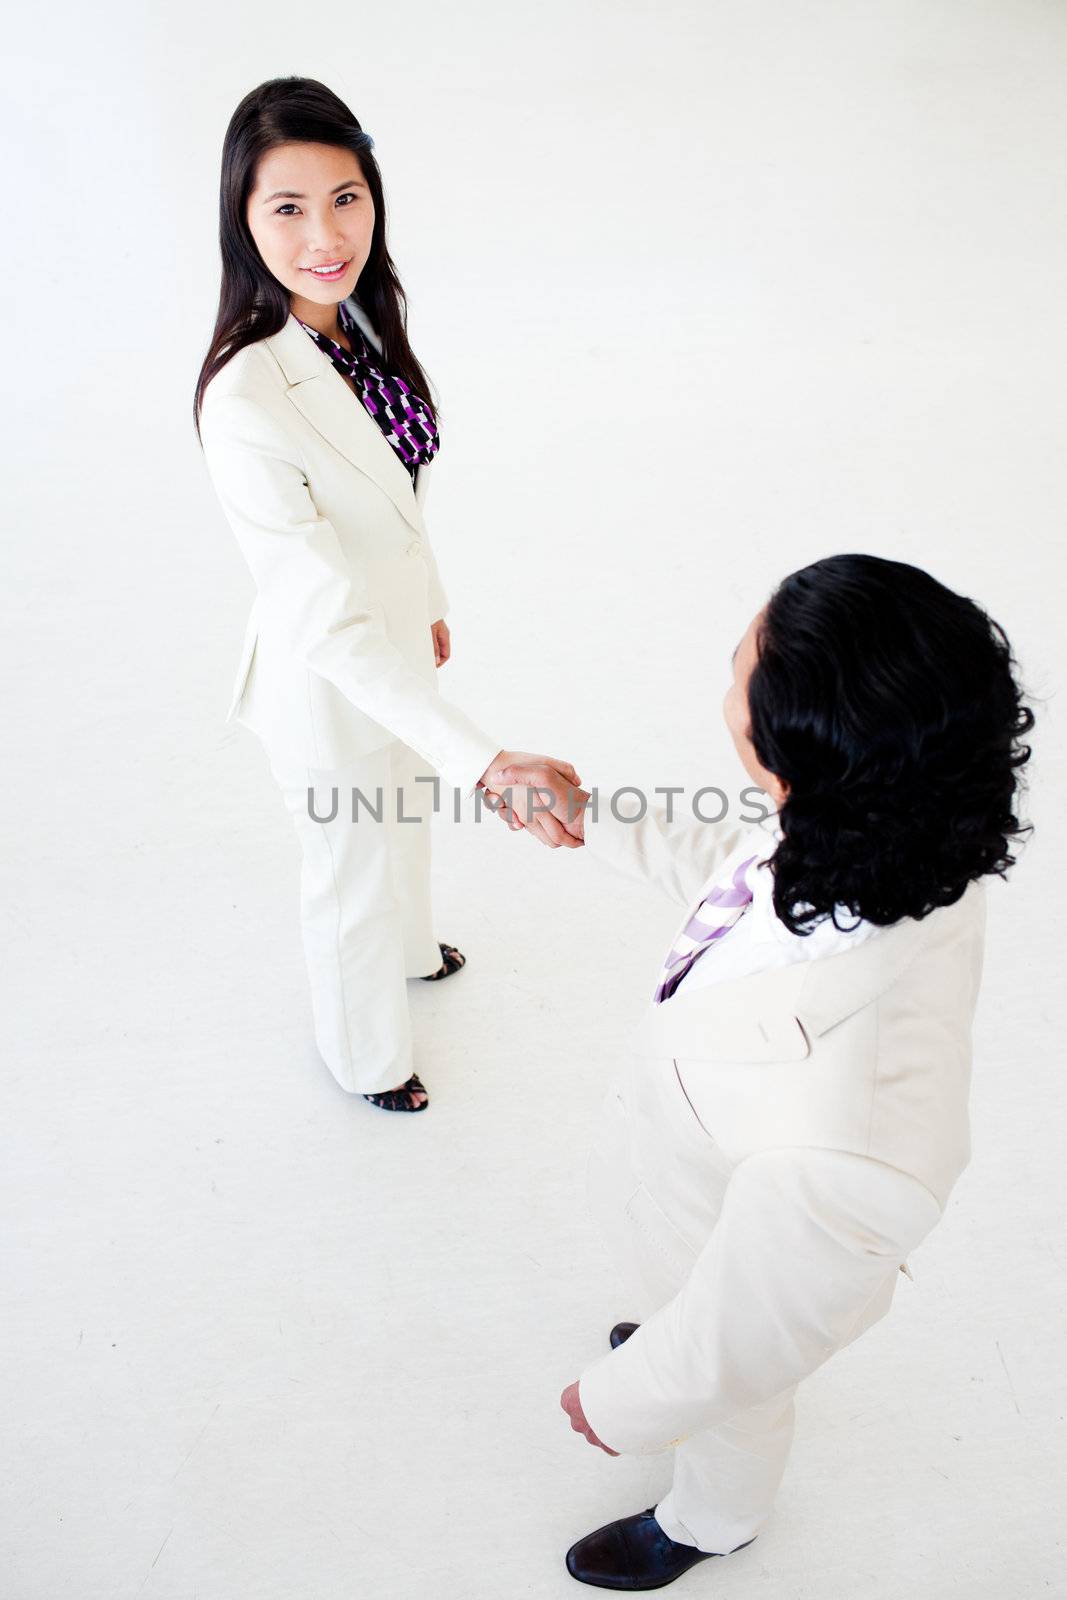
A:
(406, 420)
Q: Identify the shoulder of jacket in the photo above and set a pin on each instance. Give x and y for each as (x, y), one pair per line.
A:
(248, 394)
(965, 918)
(252, 373)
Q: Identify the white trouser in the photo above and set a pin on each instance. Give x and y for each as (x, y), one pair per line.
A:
(726, 1477)
(365, 910)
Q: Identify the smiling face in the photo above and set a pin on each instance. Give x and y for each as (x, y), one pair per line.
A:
(310, 207)
(736, 714)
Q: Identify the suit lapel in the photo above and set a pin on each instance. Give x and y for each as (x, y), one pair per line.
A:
(333, 409)
(774, 1015)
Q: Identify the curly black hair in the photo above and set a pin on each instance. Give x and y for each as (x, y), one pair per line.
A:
(889, 707)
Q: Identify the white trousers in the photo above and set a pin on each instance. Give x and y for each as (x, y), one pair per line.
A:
(365, 911)
(649, 1145)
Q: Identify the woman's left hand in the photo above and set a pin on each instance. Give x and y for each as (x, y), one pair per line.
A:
(572, 1405)
(442, 641)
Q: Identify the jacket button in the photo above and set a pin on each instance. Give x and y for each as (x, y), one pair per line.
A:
(413, 549)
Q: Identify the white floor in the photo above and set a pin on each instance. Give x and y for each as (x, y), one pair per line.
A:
(746, 286)
(269, 1343)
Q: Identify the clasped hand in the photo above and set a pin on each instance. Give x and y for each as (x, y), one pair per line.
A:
(540, 794)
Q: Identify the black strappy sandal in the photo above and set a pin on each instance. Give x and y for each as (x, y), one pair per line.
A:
(401, 1099)
(452, 960)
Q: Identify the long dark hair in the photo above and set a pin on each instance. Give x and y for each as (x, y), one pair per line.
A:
(252, 303)
(888, 705)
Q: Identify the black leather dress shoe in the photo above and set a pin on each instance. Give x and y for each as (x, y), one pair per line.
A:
(633, 1553)
(621, 1332)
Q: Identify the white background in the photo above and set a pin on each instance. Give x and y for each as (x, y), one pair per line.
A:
(708, 291)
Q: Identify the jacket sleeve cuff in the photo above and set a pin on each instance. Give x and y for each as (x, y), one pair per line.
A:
(615, 1419)
(470, 752)
(608, 837)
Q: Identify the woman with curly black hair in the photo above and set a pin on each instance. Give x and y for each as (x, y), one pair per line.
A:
(884, 708)
(798, 1113)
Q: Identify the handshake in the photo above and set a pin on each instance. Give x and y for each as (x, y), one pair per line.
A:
(538, 794)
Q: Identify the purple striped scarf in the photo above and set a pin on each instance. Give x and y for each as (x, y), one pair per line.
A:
(714, 916)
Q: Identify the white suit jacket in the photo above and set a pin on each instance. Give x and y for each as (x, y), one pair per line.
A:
(793, 1134)
(338, 658)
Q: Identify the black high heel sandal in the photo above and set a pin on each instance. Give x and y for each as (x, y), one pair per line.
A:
(452, 960)
(401, 1099)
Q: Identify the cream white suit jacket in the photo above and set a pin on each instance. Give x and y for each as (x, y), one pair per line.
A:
(791, 1136)
(338, 658)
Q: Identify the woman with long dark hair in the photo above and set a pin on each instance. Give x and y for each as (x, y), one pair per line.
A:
(796, 1114)
(319, 428)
